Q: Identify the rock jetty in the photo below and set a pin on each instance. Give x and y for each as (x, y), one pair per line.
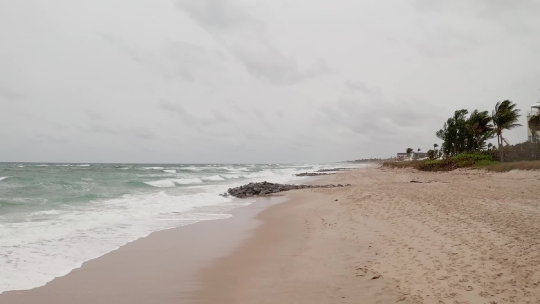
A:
(334, 169)
(313, 174)
(265, 188)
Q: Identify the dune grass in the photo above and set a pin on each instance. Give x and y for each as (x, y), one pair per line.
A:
(468, 160)
(522, 165)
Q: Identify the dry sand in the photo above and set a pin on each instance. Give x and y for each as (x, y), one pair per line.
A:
(459, 237)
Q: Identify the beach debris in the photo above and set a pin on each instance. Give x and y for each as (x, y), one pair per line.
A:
(420, 182)
(313, 174)
(469, 288)
(377, 276)
(265, 188)
(335, 200)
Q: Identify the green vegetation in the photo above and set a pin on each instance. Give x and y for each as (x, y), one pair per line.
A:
(466, 160)
(505, 117)
(465, 143)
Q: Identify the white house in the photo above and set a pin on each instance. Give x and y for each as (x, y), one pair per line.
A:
(535, 110)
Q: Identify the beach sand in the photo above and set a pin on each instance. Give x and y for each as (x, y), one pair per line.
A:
(458, 237)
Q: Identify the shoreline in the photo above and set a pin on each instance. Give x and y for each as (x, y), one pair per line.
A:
(157, 268)
(394, 236)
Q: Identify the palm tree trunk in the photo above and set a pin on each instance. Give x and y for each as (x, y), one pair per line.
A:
(499, 140)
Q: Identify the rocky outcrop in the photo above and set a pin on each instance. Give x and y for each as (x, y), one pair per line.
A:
(313, 174)
(265, 188)
(334, 169)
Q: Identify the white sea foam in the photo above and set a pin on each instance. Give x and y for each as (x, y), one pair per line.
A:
(191, 168)
(58, 241)
(4, 177)
(265, 173)
(46, 212)
(83, 165)
(187, 181)
(213, 178)
(164, 183)
(169, 171)
(86, 179)
(42, 165)
(124, 168)
(63, 165)
(45, 244)
(237, 169)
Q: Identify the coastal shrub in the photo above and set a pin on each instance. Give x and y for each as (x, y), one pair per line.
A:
(478, 159)
(438, 165)
(522, 165)
(465, 160)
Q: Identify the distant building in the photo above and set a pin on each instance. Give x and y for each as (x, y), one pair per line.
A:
(535, 110)
(419, 155)
(402, 156)
(413, 155)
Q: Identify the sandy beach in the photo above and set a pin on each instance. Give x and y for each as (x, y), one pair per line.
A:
(458, 237)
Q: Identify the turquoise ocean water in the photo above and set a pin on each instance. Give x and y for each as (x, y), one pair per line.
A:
(53, 217)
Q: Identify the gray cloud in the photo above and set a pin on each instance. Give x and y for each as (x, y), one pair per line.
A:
(177, 59)
(357, 86)
(137, 132)
(217, 118)
(376, 117)
(220, 15)
(10, 94)
(241, 81)
(245, 38)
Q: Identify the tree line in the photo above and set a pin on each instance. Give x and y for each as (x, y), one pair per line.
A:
(465, 133)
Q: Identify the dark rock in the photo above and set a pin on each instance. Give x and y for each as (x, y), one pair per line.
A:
(313, 174)
(265, 188)
(334, 169)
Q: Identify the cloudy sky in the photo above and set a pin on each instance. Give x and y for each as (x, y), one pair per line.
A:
(191, 81)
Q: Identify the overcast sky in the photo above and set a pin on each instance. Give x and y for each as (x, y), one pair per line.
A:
(198, 81)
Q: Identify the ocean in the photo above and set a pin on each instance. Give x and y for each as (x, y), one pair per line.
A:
(54, 217)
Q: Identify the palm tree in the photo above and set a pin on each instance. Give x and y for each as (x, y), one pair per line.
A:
(479, 125)
(505, 117)
(409, 151)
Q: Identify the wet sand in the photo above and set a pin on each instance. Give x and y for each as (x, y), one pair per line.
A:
(160, 268)
(459, 237)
